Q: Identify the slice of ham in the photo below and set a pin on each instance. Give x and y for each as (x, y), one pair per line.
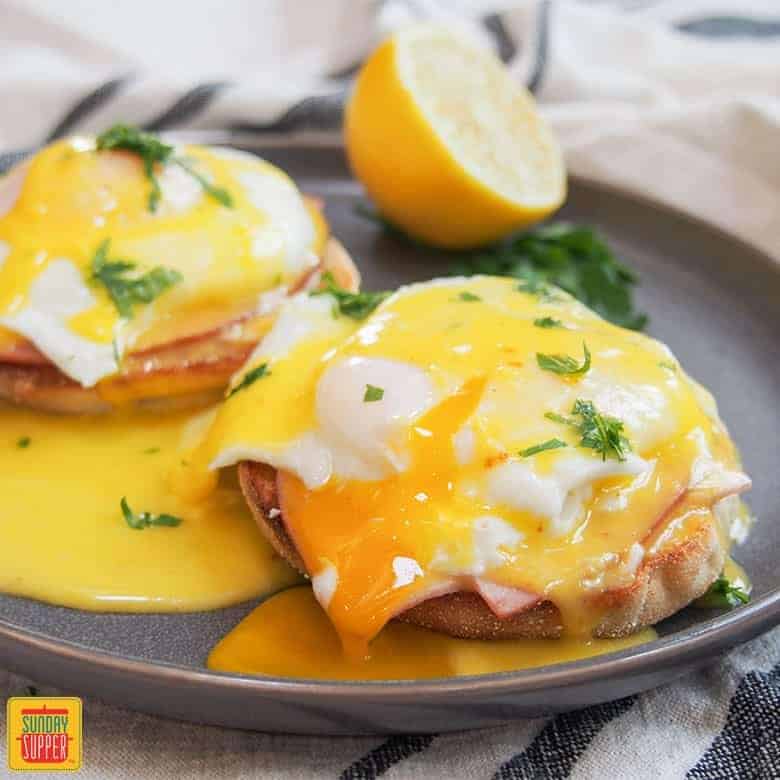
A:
(504, 601)
(23, 353)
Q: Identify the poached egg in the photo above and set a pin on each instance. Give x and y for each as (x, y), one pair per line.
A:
(206, 261)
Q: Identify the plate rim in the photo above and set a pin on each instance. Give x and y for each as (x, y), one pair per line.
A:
(704, 639)
(700, 641)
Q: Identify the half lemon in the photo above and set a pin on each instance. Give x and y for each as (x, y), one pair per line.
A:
(447, 145)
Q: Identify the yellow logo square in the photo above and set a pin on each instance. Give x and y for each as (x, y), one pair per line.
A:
(44, 732)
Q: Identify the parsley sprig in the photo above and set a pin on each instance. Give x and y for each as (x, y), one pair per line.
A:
(258, 372)
(572, 257)
(723, 594)
(139, 521)
(550, 444)
(564, 364)
(597, 431)
(355, 305)
(548, 322)
(534, 283)
(124, 286)
(219, 194)
(152, 152)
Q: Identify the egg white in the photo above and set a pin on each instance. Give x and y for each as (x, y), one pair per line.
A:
(58, 293)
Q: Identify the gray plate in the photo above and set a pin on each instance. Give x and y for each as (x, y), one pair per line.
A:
(713, 299)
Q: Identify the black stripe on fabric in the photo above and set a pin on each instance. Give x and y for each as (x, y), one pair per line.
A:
(749, 744)
(731, 27)
(188, 106)
(557, 747)
(347, 72)
(9, 159)
(542, 46)
(377, 761)
(506, 47)
(318, 112)
(87, 105)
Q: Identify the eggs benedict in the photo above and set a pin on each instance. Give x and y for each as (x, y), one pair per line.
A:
(481, 457)
(136, 272)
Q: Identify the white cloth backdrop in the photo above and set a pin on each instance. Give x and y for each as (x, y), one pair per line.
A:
(679, 99)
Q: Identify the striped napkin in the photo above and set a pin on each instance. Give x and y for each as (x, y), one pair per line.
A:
(692, 83)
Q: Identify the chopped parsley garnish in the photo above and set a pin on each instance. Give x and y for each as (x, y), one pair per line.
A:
(219, 194)
(564, 364)
(572, 257)
(373, 394)
(722, 594)
(548, 322)
(468, 297)
(117, 353)
(153, 151)
(355, 305)
(667, 365)
(148, 147)
(125, 287)
(24, 442)
(550, 444)
(151, 451)
(258, 372)
(143, 520)
(597, 431)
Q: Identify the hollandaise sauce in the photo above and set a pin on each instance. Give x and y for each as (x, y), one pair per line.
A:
(65, 539)
(475, 434)
(290, 636)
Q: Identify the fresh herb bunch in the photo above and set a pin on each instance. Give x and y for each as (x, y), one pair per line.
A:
(723, 594)
(143, 520)
(572, 257)
(258, 372)
(355, 305)
(153, 151)
(597, 431)
(126, 289)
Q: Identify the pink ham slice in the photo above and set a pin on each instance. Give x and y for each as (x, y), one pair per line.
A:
(505, 601)
(23, 353)
(502, 600)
